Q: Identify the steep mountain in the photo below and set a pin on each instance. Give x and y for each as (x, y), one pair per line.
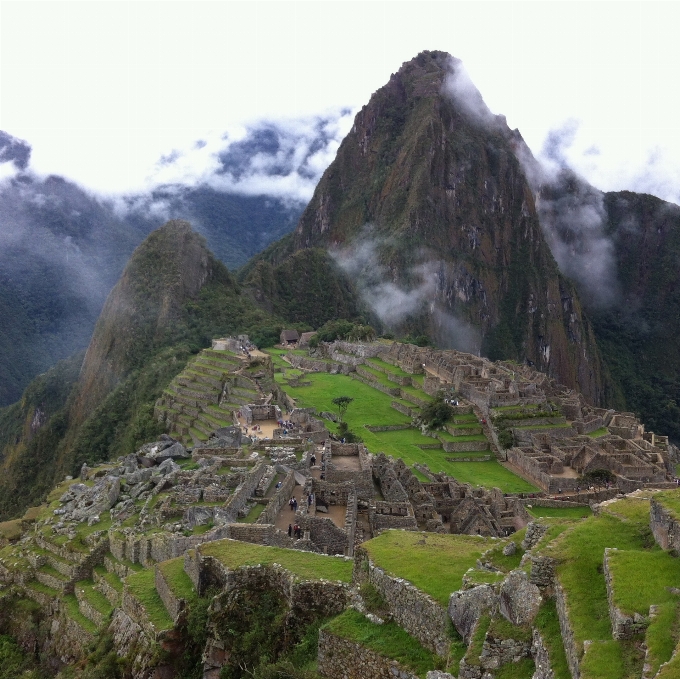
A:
(62, 249)
(428, 210)
(637, 332)
(172, 298)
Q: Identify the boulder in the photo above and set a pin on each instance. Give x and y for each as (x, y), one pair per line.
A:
(510, 549)
(150, 449)
(168, 466)
(519, 599)
(130, 463)
(96, 500)
(145, 461)
(229, 437)
(174, 452)
(83, 471)
(138, 476)
(467, 606)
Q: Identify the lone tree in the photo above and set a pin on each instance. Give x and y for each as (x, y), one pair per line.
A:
(342, 402)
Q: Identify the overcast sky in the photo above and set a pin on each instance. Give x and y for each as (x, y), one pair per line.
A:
(103, 90)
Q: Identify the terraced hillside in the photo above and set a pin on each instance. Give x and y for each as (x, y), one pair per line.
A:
(386, 401)
(204, 396)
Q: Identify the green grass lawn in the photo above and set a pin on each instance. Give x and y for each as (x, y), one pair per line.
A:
(142, 585)
(370, 406)
(388, 640)
(306, 565)
(373, 407)
(561, 512)
(602, 431)
(433, 562)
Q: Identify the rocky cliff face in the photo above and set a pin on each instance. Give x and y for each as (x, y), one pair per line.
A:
(428, 209)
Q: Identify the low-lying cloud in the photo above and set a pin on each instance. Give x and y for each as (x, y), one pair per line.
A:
(573, 217)
(395, 302)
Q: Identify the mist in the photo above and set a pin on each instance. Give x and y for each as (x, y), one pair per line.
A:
(395, 302)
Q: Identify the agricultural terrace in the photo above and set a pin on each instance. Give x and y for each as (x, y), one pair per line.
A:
(433, 562)
(388, 640)
(373, 408)
(306, 565)
(641, 574)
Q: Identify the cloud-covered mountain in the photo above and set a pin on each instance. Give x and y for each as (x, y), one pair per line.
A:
(62, 248)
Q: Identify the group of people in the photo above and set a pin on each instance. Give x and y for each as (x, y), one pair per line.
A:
(293, 504)
(294, 530)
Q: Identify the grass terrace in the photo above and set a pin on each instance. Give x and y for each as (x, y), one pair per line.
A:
(388, 367)
(253, 514)
(548, 624)
(579, 553)
(670, 500)
(71, 605)
(635, 594)
(560, 512)
(388, 640)
(433, 562)
(177, 579)
(662, 636)
(306, 565)
(142, 586)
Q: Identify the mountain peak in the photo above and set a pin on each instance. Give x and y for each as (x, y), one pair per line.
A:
(166, 270)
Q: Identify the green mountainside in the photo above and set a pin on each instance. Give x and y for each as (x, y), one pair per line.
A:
(637, 336)
(172, 298)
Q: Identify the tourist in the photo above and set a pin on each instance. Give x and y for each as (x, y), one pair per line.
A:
(309, 500)
(290, 530)
(313, 459)
(295, 505)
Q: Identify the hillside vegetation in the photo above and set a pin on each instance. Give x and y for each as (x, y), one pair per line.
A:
(173, 297)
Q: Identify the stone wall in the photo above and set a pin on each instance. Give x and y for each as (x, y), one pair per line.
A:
(541, 658)
(665, 528)
(568, 640)
(325, 534)
(68, 640)
(623, 626)
(173, 605)
(278, 500)
(241, 495)
(388, 427)
(351, 522)
(542, 571)
(464, 446)
(356, 661)
(130, 640)
(320, 597)
(418, 613)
